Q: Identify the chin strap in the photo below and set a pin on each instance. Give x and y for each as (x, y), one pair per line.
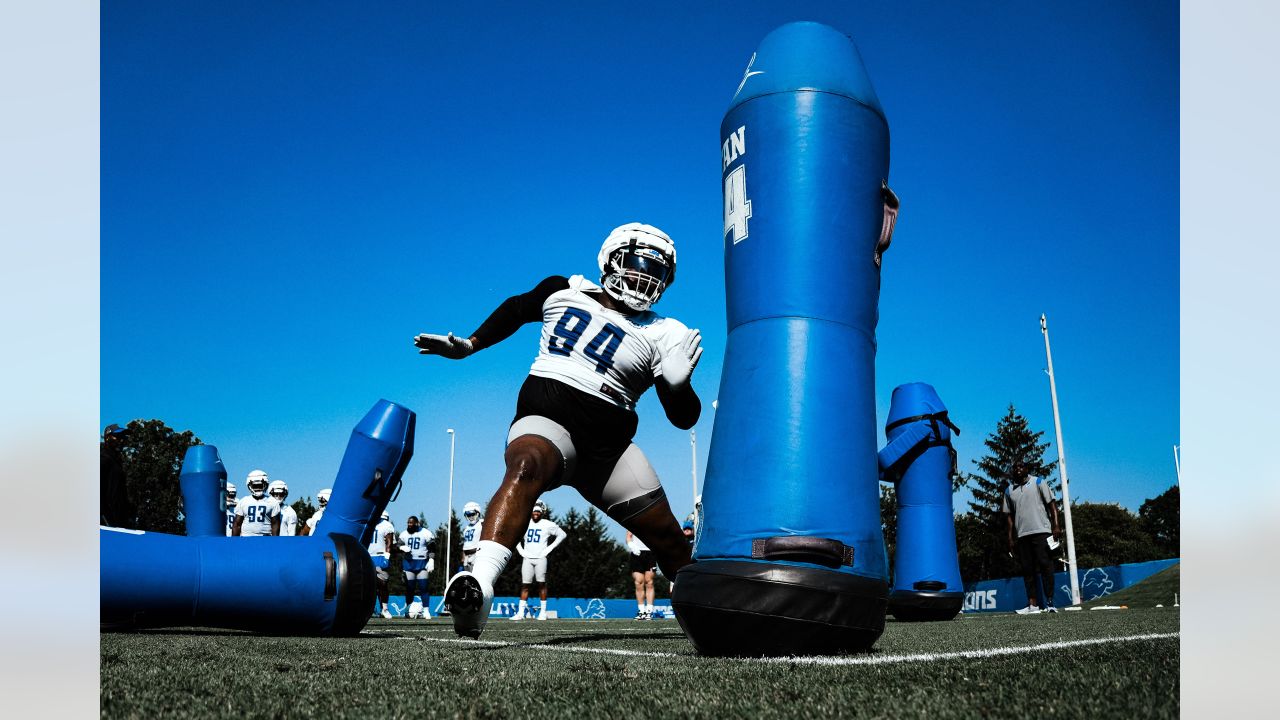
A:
(890, 200)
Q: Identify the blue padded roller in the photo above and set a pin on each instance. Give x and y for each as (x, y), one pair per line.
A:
(790, 557)
(204, 491)
(317, 585)
(920, 461)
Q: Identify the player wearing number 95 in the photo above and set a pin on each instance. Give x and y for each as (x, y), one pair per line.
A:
(601, 348)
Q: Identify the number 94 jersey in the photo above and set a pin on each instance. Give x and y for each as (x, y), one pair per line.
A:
(600, 351)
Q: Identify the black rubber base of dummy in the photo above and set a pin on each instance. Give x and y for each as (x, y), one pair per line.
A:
(738, 608)
(919, 606)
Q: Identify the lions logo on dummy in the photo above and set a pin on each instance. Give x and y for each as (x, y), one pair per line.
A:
(419, 547)
(256, 515)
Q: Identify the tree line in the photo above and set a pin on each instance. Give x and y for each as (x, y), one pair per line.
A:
(591, 563)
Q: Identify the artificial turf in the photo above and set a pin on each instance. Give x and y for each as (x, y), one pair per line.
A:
(416, 669)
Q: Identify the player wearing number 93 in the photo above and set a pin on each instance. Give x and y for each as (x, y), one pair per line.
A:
(601, 348)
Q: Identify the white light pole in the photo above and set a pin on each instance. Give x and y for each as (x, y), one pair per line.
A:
(1177, 464)
(1062, 469)
(448, 516)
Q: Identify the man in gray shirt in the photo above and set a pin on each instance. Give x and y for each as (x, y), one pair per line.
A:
(1028, 503)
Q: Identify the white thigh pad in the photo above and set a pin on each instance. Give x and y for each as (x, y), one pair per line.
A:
(632, 487)
(552, 432)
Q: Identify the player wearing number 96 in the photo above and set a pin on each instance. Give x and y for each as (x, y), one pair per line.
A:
(601, 348)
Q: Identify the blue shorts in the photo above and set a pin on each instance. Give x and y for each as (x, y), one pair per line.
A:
(380, 561)
(412, 565)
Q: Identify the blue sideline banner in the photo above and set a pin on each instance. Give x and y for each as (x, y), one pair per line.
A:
(1010, 594)
(560, 608)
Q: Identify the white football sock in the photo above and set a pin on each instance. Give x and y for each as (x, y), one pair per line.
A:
(489, 562)
(523, 604)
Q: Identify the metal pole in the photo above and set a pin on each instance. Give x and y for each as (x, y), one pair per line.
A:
(1062, 469)
(1177, 464)
(448, 516)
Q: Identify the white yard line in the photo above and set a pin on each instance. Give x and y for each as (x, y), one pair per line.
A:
(822, 660)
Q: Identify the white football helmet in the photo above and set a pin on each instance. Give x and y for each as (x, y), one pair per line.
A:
(231, 494)
(257, 483)
(322, 497)
(386, 515)
(538, 507)
(471, 511)
(637, 264)
(278, 490)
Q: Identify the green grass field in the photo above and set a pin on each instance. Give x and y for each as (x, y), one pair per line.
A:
(1072, 664)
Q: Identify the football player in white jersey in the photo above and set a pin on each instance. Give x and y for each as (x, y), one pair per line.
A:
(257, 515)
(309, 527)
(540, 539)
(601, 348)
(471, 533)
(231, 506)
(642, 564)
(380, 552)
(419, 547)
(279, 492)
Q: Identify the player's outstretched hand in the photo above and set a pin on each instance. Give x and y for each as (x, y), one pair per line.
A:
(678, 364)
(431, 566)
(454, 348)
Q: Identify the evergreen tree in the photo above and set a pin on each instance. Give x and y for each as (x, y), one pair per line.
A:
(591, 564)
(1161, 519)
(305, 509)
(153, 454)
(1013, 442)
(454, 544)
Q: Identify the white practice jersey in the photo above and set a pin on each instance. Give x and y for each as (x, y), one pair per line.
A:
(288, 521)
(378, 544)
(417, 542)
(599, 351)
(634, 545)
(471, 535)
(538, 538)
(313, 520)
(257, 514)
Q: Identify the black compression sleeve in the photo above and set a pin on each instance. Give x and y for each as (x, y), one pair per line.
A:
(516, 311)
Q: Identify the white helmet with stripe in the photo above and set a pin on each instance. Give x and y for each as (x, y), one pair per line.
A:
(637, 264)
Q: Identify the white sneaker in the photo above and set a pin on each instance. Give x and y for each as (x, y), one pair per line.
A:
(1051, 609)
(519, 615)
(386, 613)
(1029, 610)
(469, 602)
(542, 614)
(426, 614)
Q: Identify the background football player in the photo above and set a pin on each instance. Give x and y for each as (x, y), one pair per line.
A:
(642, 563)
(279, 492)
(256, 515)
(540, 539)
(309, 527)
(231, 506)
(380, 552)
(470, 533)
(600, 350)
(419, 547)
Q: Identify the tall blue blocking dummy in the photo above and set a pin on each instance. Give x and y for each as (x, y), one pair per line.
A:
(789, 553)
(920, 462)
(317, 585)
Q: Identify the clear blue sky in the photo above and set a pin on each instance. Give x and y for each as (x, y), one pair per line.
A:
(291, 191)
